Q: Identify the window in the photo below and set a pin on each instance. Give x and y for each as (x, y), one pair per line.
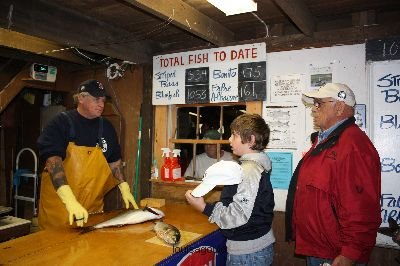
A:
(167, 132)
(193, 122)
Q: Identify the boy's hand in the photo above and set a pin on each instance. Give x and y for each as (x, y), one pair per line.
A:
(197, 203)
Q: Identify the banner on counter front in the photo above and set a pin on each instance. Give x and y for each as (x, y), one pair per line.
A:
(208, 250)
(227, 74)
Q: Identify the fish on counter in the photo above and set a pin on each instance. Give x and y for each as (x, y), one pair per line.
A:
(129, 217)
(167, 232)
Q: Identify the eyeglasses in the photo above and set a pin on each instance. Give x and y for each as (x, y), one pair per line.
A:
(317, 104)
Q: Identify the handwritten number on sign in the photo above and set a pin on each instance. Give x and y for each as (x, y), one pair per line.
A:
(199, 94)
(247, 90)
(390, 49)
(197, 75)
(252, 73)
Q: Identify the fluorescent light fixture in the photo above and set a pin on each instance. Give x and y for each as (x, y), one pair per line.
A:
(233, 7)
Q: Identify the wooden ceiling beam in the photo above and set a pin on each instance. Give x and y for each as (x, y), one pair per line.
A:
(38, 46)
(187, 18)
(364, 18)
(299, 13)
(45, 20)
(347, 36)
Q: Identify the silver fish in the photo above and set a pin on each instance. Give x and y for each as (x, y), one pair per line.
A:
(129, 217)
(167, 232)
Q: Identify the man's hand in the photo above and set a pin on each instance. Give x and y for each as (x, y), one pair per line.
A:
(197, 203)
(127, 195)
(74, 208)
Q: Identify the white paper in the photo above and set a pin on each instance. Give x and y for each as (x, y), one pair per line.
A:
(287, 88)
(283, 124)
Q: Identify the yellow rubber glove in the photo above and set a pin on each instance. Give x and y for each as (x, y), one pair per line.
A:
(127, 195)
(74, 208)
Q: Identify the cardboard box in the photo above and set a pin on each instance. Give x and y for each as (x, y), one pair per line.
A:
(152, 202)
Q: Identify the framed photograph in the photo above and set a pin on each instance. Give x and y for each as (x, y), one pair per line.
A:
(360, 115)
(320, 75)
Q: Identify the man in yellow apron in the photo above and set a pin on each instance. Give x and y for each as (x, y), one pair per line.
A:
(83, 161)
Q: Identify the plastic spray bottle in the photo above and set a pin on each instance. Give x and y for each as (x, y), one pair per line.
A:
(165, 175)
(175, 168)
(154, 170)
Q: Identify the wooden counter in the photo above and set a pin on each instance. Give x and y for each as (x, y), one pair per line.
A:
(110, 246)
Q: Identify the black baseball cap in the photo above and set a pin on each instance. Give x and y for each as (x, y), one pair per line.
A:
(212, 134)
(93, 87)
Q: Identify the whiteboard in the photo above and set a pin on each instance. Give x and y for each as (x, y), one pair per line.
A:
(385, 92)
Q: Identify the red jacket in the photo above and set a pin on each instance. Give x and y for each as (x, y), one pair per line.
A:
(336, 208)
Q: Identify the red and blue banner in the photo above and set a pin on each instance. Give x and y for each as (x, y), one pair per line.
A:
(209, 250)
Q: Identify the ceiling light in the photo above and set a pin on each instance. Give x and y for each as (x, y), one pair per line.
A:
(233, 7)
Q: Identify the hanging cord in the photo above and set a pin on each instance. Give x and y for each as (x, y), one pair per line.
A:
(9, 16)
(78, 52)
(262, 21)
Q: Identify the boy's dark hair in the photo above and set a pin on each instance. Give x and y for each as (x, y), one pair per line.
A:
(251, 124)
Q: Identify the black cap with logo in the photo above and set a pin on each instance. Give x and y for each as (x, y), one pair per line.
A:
(93, 87)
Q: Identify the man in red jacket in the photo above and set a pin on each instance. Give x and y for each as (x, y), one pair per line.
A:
(333, 204)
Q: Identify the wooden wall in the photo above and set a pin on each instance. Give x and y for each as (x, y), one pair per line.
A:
(20, 122)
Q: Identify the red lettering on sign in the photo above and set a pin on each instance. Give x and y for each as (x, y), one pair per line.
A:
(198, 58)
(244, 53)
(171, 62)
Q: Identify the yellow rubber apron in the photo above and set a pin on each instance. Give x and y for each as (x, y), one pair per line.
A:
(90, 178)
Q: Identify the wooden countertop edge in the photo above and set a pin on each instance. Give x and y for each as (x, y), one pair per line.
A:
(178, 183)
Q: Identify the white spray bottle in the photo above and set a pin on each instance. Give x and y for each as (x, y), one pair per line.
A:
(175, 168)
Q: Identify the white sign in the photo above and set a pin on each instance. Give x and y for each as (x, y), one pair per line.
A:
(227, 74)
(283, 122)
(386, 132)
(287, 88)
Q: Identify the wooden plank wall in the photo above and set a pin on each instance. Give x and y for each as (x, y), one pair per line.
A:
(146, 157)
(21, 123)
(127, 95)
